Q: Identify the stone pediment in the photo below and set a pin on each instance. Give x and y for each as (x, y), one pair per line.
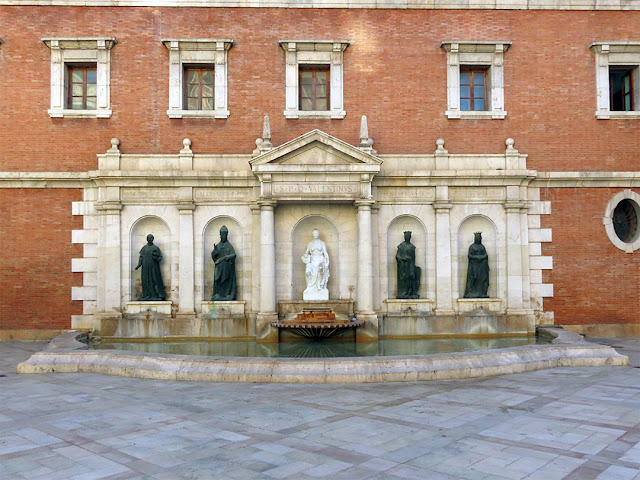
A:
(315, 167)
(316, 148)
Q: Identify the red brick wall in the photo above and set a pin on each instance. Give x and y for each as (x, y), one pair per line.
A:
(593, 281)
(36, 278)
(394, 72)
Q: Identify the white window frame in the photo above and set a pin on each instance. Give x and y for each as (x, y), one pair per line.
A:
(314, 52)
(484, 54)
(85, 50)
(194, 51)
(611, 54)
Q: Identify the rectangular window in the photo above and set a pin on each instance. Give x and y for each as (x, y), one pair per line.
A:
(82, 87)
(314, 88)
(198, 83)
(621, 89)
(473, 89)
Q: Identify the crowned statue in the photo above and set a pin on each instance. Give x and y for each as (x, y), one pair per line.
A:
(316, 271)
(478, 271)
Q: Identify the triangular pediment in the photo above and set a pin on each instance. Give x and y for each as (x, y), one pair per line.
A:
(316, 148)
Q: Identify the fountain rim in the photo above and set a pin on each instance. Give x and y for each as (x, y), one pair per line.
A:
(65, 354)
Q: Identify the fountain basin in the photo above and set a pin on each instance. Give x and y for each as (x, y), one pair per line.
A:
(66, 354)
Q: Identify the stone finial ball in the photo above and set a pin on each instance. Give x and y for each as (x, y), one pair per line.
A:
(509, 142)
(259, 142)
(440, 142)
(115, 142)
(186, 142)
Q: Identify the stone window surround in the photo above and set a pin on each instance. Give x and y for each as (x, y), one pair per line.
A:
(607, 220)
(193, 52)
(611, 54)
(83, 50)
(476, 53)
(314, 52)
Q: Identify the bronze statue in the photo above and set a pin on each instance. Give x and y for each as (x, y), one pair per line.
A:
(408, 272)
(152, 285)
(224, 277)
(478, 271)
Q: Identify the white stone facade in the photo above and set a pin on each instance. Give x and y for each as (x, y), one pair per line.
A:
(361, 204)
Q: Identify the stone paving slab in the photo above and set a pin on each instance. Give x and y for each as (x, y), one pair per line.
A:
(562, 423)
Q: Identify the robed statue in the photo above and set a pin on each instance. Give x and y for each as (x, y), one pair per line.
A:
(478, 271)
(316, 270)
(408, 272)
(152, 285)
(224, 277)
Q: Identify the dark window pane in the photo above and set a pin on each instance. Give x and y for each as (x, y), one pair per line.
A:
(464, 78)
(194, 91)
(76, 76)
(478, 104)
(321, 77)
(306, 104)
(478, 92)
(207, 77)
(321, 104)
(321, 91)
(306, 77)
(207, 91)
(192, 76)
(307, 91)
(192, 104)
(76, 103)
(465, 105)
(465, 92)
(207, 104)
(478, 78)
(76, 90)
(91, 76)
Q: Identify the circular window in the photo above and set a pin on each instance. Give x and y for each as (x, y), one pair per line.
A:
(621, 220)
(625, 220)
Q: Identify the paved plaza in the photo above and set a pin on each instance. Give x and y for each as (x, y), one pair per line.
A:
(563, 423)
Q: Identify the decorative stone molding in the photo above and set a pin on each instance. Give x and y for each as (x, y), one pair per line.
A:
(481, 54)
(205, 51)
(82, 50)
(609, 54)
(314, 52)
(607, 220)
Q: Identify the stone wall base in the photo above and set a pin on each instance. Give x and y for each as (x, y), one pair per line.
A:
(29, 335)
(456, 325)
(606, 329)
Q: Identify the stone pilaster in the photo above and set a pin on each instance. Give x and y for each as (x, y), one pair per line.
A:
(444, 277)
(364, 297)
(186, 277)
(268, 311)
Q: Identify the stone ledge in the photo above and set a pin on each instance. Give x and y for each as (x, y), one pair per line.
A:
(322, 370)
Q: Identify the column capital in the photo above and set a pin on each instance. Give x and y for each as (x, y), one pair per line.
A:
(109, 207)
(515, 207)
(267, 204)
(442, 207)
(364, 204)
(186, 208)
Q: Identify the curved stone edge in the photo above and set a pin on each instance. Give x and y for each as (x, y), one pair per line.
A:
(334, 370)
(560, 336)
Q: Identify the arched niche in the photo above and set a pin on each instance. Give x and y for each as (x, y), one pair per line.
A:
(211, 236)
(468, 227)
(300, 238)
(395, 236)
(162, 239)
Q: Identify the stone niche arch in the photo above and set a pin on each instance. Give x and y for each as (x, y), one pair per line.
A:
(301, 235)
(470, 225)
(211, 236)
(395, 236)
(162, 238)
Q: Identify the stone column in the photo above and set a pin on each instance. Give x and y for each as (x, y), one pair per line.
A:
(186, 278)
(514, 255)
(268, 311)
(444, 283)
(364, 297)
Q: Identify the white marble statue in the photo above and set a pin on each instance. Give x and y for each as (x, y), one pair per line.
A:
(316, 271)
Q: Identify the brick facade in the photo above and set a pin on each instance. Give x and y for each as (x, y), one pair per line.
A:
(394, 72)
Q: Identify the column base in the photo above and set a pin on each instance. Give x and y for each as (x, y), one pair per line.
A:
(368, 332)
(264, 331)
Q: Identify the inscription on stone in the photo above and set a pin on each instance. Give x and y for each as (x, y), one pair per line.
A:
(306, 189)
(135, 194)
(462, 194)
(422, 193)
(220, 194)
